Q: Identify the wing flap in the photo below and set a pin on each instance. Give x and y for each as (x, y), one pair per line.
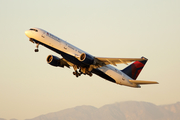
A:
(143, 82)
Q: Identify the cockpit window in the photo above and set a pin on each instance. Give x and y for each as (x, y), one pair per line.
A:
(34, 30)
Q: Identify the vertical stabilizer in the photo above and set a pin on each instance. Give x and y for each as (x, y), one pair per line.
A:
(135, 68)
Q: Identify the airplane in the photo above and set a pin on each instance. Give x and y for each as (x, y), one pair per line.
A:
(87, 64)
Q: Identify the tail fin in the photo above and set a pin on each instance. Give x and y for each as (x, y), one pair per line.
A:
(135, 68)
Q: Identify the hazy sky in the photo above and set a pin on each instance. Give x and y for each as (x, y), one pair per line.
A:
(29, 87)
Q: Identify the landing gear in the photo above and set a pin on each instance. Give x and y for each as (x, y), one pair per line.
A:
(86, 71)
(37, 50)
(81, 71)
(76, 73)
(90, 74)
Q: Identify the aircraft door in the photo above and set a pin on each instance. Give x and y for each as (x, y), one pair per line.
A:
(44, 34)
(65, 46)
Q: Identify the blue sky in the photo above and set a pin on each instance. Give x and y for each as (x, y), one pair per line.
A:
(104, 28)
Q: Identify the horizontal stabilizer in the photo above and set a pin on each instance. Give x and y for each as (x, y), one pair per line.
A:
(143, 82)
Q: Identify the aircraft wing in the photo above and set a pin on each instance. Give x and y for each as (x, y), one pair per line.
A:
(143, 82)
(115, 61)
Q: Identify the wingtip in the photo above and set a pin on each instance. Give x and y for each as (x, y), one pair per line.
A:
(144, 58)
(156, 83)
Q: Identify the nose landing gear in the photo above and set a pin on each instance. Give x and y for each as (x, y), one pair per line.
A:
(37, 50)
(33, 41)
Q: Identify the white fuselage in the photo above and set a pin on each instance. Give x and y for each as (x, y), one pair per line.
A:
(49, 40)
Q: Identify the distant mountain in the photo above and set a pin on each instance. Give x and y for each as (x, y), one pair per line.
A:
(6, 119)
(130, 110)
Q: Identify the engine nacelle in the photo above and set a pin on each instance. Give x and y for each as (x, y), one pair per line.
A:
(86, 59)
(55, 61)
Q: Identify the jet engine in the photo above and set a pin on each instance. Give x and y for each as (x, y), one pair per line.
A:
(86, 59)
(55, 61)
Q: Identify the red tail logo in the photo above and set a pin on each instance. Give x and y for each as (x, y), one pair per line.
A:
(134, 69)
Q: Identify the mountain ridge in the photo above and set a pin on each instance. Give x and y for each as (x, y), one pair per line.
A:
(128, 110)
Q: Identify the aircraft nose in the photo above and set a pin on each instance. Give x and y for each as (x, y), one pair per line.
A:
(27, 33)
